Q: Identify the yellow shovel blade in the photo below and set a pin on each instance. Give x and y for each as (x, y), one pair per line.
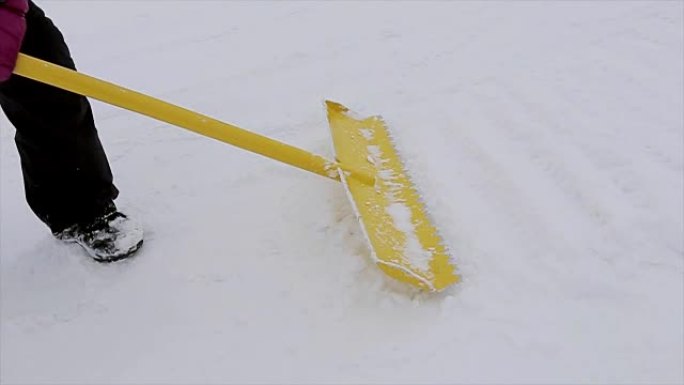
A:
(405, 243)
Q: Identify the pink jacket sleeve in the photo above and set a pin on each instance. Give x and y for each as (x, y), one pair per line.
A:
(12, 30)
(18, 5)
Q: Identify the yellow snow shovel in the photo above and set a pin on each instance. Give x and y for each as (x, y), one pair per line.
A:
(404, 242)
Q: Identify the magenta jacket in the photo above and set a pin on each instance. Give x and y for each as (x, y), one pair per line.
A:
(12, 30)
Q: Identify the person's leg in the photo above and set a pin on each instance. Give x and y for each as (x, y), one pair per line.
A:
(66, 174)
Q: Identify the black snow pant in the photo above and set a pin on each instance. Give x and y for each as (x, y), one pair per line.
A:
(67, 178)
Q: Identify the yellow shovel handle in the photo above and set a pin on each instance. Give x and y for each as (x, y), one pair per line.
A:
(89, 86)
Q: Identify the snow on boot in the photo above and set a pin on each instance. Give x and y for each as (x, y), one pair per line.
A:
(108, 238)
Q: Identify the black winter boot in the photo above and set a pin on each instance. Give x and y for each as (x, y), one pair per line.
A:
(108, 238)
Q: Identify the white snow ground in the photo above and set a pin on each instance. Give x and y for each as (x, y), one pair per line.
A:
(546, 137)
